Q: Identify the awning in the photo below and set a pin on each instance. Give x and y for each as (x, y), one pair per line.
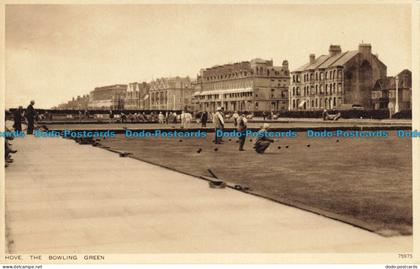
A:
(225, 91)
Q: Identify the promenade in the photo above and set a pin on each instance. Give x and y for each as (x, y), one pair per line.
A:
(283, 123)
(62, 197)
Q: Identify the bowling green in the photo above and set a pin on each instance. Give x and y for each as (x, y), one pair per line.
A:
(366, 182)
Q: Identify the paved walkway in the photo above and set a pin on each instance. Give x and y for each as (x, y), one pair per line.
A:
(62, 197)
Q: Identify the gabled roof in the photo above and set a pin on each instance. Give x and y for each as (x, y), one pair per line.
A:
(326, 61)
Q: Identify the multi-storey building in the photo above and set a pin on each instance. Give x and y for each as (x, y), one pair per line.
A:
(337, 80)
(78, 103)
(254, 85)
(108, 97)
(384, 92)
(137, 96)
(173, 93)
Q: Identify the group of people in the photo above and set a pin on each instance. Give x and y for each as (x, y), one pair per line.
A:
(20, 117)
(240, 122)
(29, 116)
(185, 118)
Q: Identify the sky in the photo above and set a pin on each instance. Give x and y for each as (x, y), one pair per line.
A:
(56, 52)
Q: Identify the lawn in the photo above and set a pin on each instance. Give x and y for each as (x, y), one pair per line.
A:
(365, 182)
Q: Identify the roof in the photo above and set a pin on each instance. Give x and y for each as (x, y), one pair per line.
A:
(388, 83)
(326, 61)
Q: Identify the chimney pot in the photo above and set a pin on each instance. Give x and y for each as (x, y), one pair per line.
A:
(311, 58)
(365, 48)
(334, 50)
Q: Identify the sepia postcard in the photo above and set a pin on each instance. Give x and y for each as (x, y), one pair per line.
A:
(210, 132)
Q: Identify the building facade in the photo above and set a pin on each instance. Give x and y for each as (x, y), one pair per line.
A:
(77, 103)
(384, 92)
(254, 85)
(173, 93)
(137, 96)
(108, 97)
(337, 80)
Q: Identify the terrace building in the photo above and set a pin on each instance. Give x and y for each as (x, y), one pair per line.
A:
(337, 80)
(254, 85)
(108, 97)
(173, 93)
(77, 103)
(137, 96)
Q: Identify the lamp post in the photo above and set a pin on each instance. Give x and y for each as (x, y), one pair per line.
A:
(397, 107)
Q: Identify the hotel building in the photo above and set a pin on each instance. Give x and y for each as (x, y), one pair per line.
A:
(254, 85)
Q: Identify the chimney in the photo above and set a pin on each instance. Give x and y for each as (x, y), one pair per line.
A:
(365, 49)
(285, 64)
(334, 50)
(311, 58)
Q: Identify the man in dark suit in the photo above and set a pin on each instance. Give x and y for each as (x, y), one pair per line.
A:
(30, 114)
(204, 118)
(17, 118)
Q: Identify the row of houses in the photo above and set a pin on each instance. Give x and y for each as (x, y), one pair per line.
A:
(337, 80)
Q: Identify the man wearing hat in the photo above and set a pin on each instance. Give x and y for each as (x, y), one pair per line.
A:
(242, 126)
(30, 114)
(263, 141)
(219, 124)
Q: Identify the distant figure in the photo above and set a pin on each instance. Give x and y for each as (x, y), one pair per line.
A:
(242, 126)
(264, 115)
(263, 142)
(203, 119)
(175, 117)
(188, 119)
(123, 117)
(235, 117)
(219, 124)
(111, 116)
(17, 117)
(328, 116)
(161, 118)
(30, 115)
(167, 114)
(182, 118)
